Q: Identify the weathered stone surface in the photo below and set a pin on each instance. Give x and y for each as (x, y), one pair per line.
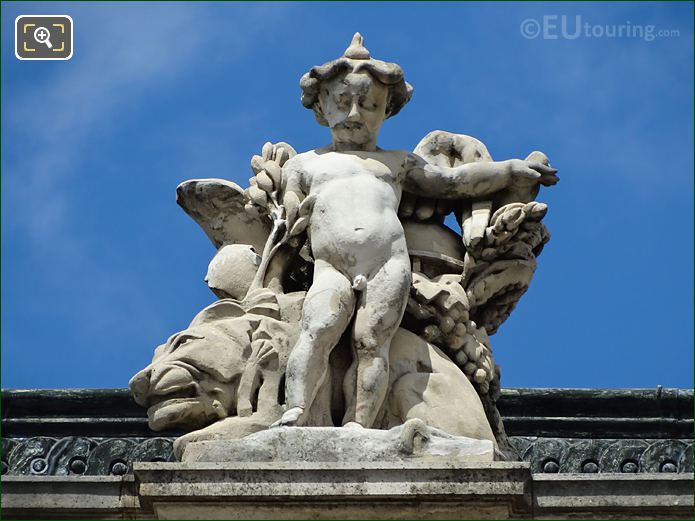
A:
(365, 490)
(232, 270)
(412, 441)
(70, 497)
(334, 490)
(229, 362)
(616, 496)
(217, 205)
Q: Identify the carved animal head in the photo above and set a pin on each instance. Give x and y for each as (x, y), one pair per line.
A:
(195, 378)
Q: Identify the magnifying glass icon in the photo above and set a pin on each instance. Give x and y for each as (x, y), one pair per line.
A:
(43, 35)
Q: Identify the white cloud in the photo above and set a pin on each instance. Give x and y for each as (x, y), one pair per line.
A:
(122, 52)
(125, 54)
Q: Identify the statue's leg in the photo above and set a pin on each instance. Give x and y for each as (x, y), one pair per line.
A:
(328, 308)
(378, 316)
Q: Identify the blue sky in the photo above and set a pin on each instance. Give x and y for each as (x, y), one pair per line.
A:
(99, 265)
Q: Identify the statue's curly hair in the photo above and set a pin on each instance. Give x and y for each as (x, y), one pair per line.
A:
(356, 59)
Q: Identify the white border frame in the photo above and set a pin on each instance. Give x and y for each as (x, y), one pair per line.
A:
(72, 37)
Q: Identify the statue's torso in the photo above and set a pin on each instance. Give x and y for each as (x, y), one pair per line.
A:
(354, 223)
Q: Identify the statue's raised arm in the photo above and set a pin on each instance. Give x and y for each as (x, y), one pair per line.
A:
(473, 180)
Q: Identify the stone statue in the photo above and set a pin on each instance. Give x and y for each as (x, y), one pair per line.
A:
(344, 299)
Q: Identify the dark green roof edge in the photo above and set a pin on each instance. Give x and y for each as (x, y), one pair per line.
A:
(573, 413)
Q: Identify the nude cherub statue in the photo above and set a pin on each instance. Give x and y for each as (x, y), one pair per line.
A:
(362, 268)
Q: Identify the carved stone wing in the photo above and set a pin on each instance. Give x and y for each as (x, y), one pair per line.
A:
(217, 205)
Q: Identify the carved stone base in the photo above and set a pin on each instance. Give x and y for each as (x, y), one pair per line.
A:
(366, 490)
(412, 441)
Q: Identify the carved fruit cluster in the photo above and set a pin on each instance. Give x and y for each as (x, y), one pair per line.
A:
(467, 351)
(444, 302)
(507, 253)
(520, 221)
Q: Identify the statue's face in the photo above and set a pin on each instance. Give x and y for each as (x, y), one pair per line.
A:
(354, 105)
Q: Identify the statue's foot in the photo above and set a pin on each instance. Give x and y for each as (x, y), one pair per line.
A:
(353, 425)
(290, 418)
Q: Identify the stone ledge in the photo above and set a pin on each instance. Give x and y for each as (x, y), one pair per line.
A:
(647, 496)
(105, 497)
(314, 490)
(499, 490)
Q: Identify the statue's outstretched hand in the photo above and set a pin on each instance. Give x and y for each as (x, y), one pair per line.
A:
(531, 169)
